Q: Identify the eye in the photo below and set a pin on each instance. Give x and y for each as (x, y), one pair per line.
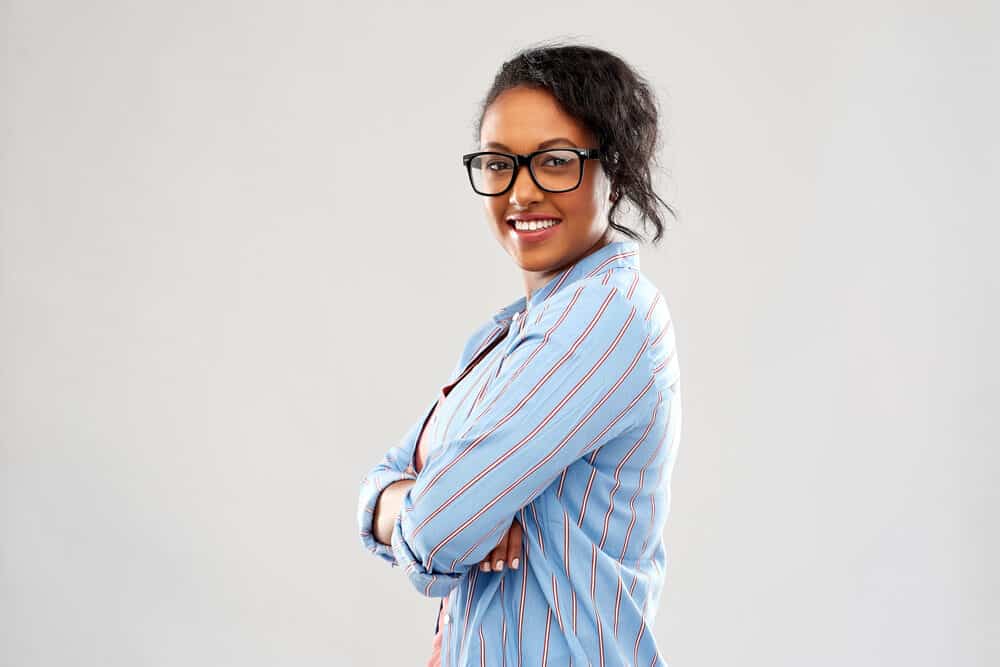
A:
(552, 161)
(497, 165)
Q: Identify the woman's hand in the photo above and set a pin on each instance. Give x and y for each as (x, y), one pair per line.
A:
(507, 551)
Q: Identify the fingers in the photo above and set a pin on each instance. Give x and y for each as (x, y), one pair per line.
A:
(496, 558)
(514, 540)
(507, 551)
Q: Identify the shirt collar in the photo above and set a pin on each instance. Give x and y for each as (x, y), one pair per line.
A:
(615, 254)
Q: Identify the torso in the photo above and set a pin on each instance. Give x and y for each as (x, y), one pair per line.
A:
(422, 449)
(419, 457)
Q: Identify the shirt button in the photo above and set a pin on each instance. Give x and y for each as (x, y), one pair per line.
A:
(447, 619)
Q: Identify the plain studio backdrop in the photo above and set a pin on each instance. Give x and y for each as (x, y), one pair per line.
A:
(223, 225)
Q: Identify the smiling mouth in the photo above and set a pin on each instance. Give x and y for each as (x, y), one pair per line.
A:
(534, 225)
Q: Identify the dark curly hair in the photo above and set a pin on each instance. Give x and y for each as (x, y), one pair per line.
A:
(613, 101)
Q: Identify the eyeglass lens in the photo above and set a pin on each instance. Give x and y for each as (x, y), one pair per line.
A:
(555, 170)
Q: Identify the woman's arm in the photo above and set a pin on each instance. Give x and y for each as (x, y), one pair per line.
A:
(394, 466)
(577, 377)
(387, 509)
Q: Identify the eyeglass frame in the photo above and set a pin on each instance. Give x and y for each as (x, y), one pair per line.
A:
(525, 160)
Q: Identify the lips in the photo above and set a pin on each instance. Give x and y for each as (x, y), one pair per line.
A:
(535, 235)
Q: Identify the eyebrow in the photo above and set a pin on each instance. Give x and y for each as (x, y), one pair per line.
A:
(547, 142)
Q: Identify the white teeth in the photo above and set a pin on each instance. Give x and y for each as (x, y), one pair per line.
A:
(532, 225)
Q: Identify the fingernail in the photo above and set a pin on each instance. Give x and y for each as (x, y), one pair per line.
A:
(485, 567)
(515, 562)
(499, 566)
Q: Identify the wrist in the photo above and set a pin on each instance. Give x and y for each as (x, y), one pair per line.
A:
(387, 509)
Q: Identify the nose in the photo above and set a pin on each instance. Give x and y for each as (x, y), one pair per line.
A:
(524, 191)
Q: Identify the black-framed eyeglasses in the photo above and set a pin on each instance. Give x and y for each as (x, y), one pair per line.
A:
(492, 173)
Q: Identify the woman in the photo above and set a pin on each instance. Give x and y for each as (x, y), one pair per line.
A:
(531, 494)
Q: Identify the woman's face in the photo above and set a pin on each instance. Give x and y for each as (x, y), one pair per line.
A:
(522, 120)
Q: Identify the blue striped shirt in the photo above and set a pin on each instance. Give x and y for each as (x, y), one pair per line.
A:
(570, 424)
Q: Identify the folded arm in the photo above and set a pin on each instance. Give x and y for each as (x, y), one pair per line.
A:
(395, 465)
(570, 383)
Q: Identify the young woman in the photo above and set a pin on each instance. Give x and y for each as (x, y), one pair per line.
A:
(531, 494)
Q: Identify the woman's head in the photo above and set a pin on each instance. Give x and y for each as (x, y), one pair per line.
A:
(593, 99)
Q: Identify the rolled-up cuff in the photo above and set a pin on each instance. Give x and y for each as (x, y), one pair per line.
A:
(429, 584)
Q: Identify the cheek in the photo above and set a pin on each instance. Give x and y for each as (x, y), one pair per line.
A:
(494, 208)
(582, 205)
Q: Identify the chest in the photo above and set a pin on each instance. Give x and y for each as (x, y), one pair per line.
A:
(458, 401)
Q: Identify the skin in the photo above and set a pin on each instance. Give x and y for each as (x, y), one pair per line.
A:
(522, 120)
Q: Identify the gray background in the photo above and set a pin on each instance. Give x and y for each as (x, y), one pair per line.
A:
(204, 284)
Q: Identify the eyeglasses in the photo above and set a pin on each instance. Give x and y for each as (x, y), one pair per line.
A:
(553, 170)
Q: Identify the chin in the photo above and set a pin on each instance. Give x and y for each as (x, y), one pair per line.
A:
(540, 259)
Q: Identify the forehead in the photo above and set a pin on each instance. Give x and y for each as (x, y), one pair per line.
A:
(521, 118)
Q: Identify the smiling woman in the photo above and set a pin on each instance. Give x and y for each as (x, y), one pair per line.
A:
(551, 446)
(523, 119)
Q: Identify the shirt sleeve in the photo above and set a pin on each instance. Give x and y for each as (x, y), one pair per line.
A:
(395, 465)
(570, 382)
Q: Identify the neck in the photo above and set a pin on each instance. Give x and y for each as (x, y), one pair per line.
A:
(535, 280)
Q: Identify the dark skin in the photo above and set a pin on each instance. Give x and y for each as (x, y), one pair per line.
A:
(522, 120)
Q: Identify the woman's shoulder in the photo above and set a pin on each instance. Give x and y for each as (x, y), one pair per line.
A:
(624, 290)
(623, 306)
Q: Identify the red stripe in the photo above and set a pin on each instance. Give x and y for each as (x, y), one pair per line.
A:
(524, 590)
(660, 335)
(555, 598)
(586, 494)
(503, 622)
(652, 304)
(642, 480)
(611, 259)
(593, 572)
(593, 472)
(538, 528)
(652, 507)
(600, 638)
(473, 578)
(618, 600)
(482, 391)
(635, 282)
(573, 593)
(499, 524)
(566, 545)
(561, 280)
(618, 470)
(461, 392)
(638, 636)
(545, 641)
(486, 341)
(562, 481)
